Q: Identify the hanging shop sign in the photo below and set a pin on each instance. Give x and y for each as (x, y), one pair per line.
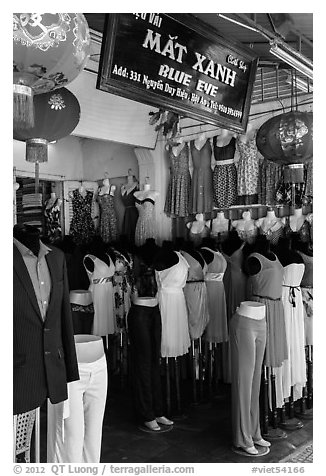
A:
(178, 63)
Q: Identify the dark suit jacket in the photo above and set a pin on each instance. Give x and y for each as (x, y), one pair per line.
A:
(44, 351)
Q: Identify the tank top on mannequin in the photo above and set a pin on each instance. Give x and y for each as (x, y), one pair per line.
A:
(102, 292)
(266, 287)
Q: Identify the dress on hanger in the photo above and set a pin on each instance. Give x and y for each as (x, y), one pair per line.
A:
(108, 223)
(178, 193)
(196, 297)
(266, 287)
(101, 288)
(131, 214)
(145, 227)
(82, 228)
(269, 178)
(217, 327)
(173, 308)
(248, 169)
(201, 198)
(225, 175)
(53, 222)
(122, 286)
(307, 297)
(293, 369)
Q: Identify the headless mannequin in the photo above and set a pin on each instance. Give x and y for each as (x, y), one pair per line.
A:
(98, 249)
(200, 141)
(51, 201)
(29, 236)
(220, 224)
(197, 227)
(296, 220)
(223, 139)
(207, 254)
(270, 222)
(166, 258)
(178, 146)
(249, 135)
(131, 183)
(262, 247)
(189, 248)
(245, 227)
(146, 193)
(82, 190)
(286, 254)
(232, 243)
(106, 188)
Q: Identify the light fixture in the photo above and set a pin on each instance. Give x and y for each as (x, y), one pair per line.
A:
(300, 83)
(303, 65)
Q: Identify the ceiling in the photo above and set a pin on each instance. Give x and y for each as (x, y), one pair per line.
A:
(273, 78)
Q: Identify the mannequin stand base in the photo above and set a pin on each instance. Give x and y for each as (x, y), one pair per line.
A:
(163, 429)
(291, 424)
(262, 451)
(275, 434)
(307, 415)
(179, 417)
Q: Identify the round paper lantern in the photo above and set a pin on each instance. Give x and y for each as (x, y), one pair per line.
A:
(49, 51)
(287, 138)
(57, 114)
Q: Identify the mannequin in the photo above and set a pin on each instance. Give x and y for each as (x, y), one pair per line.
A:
(82, 311)
(108, 218)
(145, 202)
(43, 361)
(75, 426)
(247, 342)
(171, 270)
(131, 213)
(219, 226)
(201, 196)
(271, 226)
(52, 213)
(130, 185)
(248, 166)
(198, 229)
(225, 172)
(295, 221)
(200, 141)
(82, 228)
(246, 227)
(144, 330)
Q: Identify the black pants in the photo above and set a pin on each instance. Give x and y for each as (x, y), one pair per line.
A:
(145, 329)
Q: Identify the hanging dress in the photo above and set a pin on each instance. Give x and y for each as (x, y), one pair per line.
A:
(108, 220)
(173, 308)
(266, 287)
(131, 214)
(196, 297)
(307, 297)
(145, 227)
(102, 293)
(53, 221)
(177, 197)
(293, 369)
(82, 228)
(269, 179)
(217, 327)
(122, 286)
(235, 281)
(201, 198)
(248, 171)
(224, 175)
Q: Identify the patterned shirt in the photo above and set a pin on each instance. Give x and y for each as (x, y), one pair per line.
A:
(39, 273)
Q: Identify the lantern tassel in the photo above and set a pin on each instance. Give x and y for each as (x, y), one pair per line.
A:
(36, 152)
(23, 107)
(37, 177)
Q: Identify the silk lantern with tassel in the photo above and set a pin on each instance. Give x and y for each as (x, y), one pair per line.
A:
(57, 114)
(49, 51)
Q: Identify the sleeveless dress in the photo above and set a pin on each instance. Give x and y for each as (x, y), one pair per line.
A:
(225, 175)
(293, 369)
(108, 221)
(235, 281)
(217, 327)
(122, 287)
(177, 198)
(102, 292)
(82, 228)
(173, 308)
(196, 297)
(53, 222)
(269, 178)
(248, 171)
(130, 216)
(307, 297)
(145, 227)
(266, 287)
(201, 199)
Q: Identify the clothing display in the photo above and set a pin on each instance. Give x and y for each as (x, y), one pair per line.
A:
(130, 216)
(225, 175)
(145, 227)
(196, 297)
(201, 197)
(76, 437)
(101, 287)
(173, 308)
(293, 370)
(269, 178)
(53, 221)
(307, 297)
(197, 237)
(178, 193)
(82, 311)
(122, 286)
(217, 327)
(247, 343)
(235, 281)
(82, 228)
(266, 287)
(248, 166)
(108, 218)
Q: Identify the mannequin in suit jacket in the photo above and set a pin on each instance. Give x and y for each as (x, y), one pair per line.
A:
(44, 350)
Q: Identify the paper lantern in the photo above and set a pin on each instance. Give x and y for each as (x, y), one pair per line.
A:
(57, 114)
(49, 51)
(287, 138)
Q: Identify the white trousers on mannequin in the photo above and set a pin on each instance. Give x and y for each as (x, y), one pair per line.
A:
(77, 439)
